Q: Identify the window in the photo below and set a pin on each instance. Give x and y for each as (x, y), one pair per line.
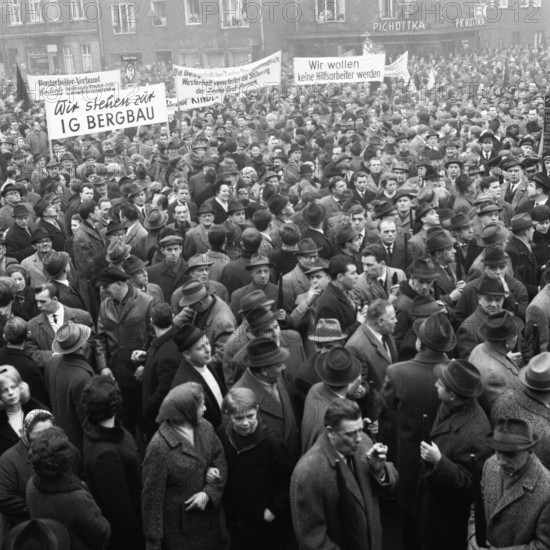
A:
(13, 10)
(124, 20)
(190, 58)
(86, 52)
(33, 7)
(68, 60)
(387, 9)
(158, 11)
(213, 59)
(77, 10)
(233, 13)
(192, 12)
(330, 11)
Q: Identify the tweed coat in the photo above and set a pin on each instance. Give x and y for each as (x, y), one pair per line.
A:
(468, 336)
(445, 490)
(166, 277)
(279, 416)
(521, 194)
(520, 518)
(519, 404)
(317, 401)
(295, 282)
(538, 313)
(498, 373)
(135, 237)
(409, 389)
(366, 290)
(196, 241)
(66, 500)
(122, 331)
(161, 364)
(315, 498)
(524, 263)
(89, 251)
(372, 355)
(173, 471)
(40, 334)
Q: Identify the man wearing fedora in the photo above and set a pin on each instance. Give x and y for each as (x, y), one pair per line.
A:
(521, 255)
(494, 357)
(348, 242)
(462, 229)
(135, 232)
(48, 219)
(18, 239)
(315, 216)
(196, 239)
(196, 366)
(266, 362)
(296, 282)
(494, 262)
(42, 244)
(58, 271)
(539, 192)
(170, 273)
(259, 268)
(373, 345)
(154, 223)
(377, 280)
(530, 403)
(428, 218)
(340, 374)
(440, 246)
(409, 389)
(123, 326)
(198, 269)
(136, 268)
(67, 373)
(335, 486)
(490, 296)
(11, 193)
(209, 313)
(515, 488)
(445, 490)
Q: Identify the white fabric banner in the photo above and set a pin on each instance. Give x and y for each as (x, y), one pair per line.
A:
(197, 88)
(50, 87)
(399, 68)
(131, 107)
(337, 70)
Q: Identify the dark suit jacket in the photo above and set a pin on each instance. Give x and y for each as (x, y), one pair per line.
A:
(333, 304)
(399, 257)
(321, 240)
(69, 296)
(163, 275)
(525, 264)
(18, 243)
(59, 236)
(186, 373)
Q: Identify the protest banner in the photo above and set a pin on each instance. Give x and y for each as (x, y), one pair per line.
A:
(203, 87)
(51, 87)
(399, 68)
(337, 70)
(132, 107)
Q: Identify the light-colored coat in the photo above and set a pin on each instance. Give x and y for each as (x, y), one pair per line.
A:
(538, 312)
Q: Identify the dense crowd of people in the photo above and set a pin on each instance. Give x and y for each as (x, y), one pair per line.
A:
(295, 320)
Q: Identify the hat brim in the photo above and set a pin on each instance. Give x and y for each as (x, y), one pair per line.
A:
(331, 378)
(252, 266)
(266, 304)
(202, 264)
(128, 250)
(84, 335)
(159, 224)
(523, 380)
(282, 355)
(509, 447)
(449, 346)
(517, 322)
(193, 298)
(441, 372)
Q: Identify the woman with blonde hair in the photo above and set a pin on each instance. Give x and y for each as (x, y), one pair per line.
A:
(184, 474)
(15, 403)
(256, 496)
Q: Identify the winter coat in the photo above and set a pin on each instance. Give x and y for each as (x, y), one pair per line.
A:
(114, 477)
(66, 500)
(445, 490)
(89, 252)
(173, 471)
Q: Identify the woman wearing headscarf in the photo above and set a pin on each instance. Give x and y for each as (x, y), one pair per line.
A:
(112, 463)
(184, 474)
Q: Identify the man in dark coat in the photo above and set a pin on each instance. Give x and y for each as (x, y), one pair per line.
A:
(522, 257)
(67, 373)
(170, 273)
(335, 302)
(123, 327)
(18, 239)
(335, 485)
(314, 215)
(409, 389)
(161, 364)
(445, 490)
(56, 269)
(192, 343)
